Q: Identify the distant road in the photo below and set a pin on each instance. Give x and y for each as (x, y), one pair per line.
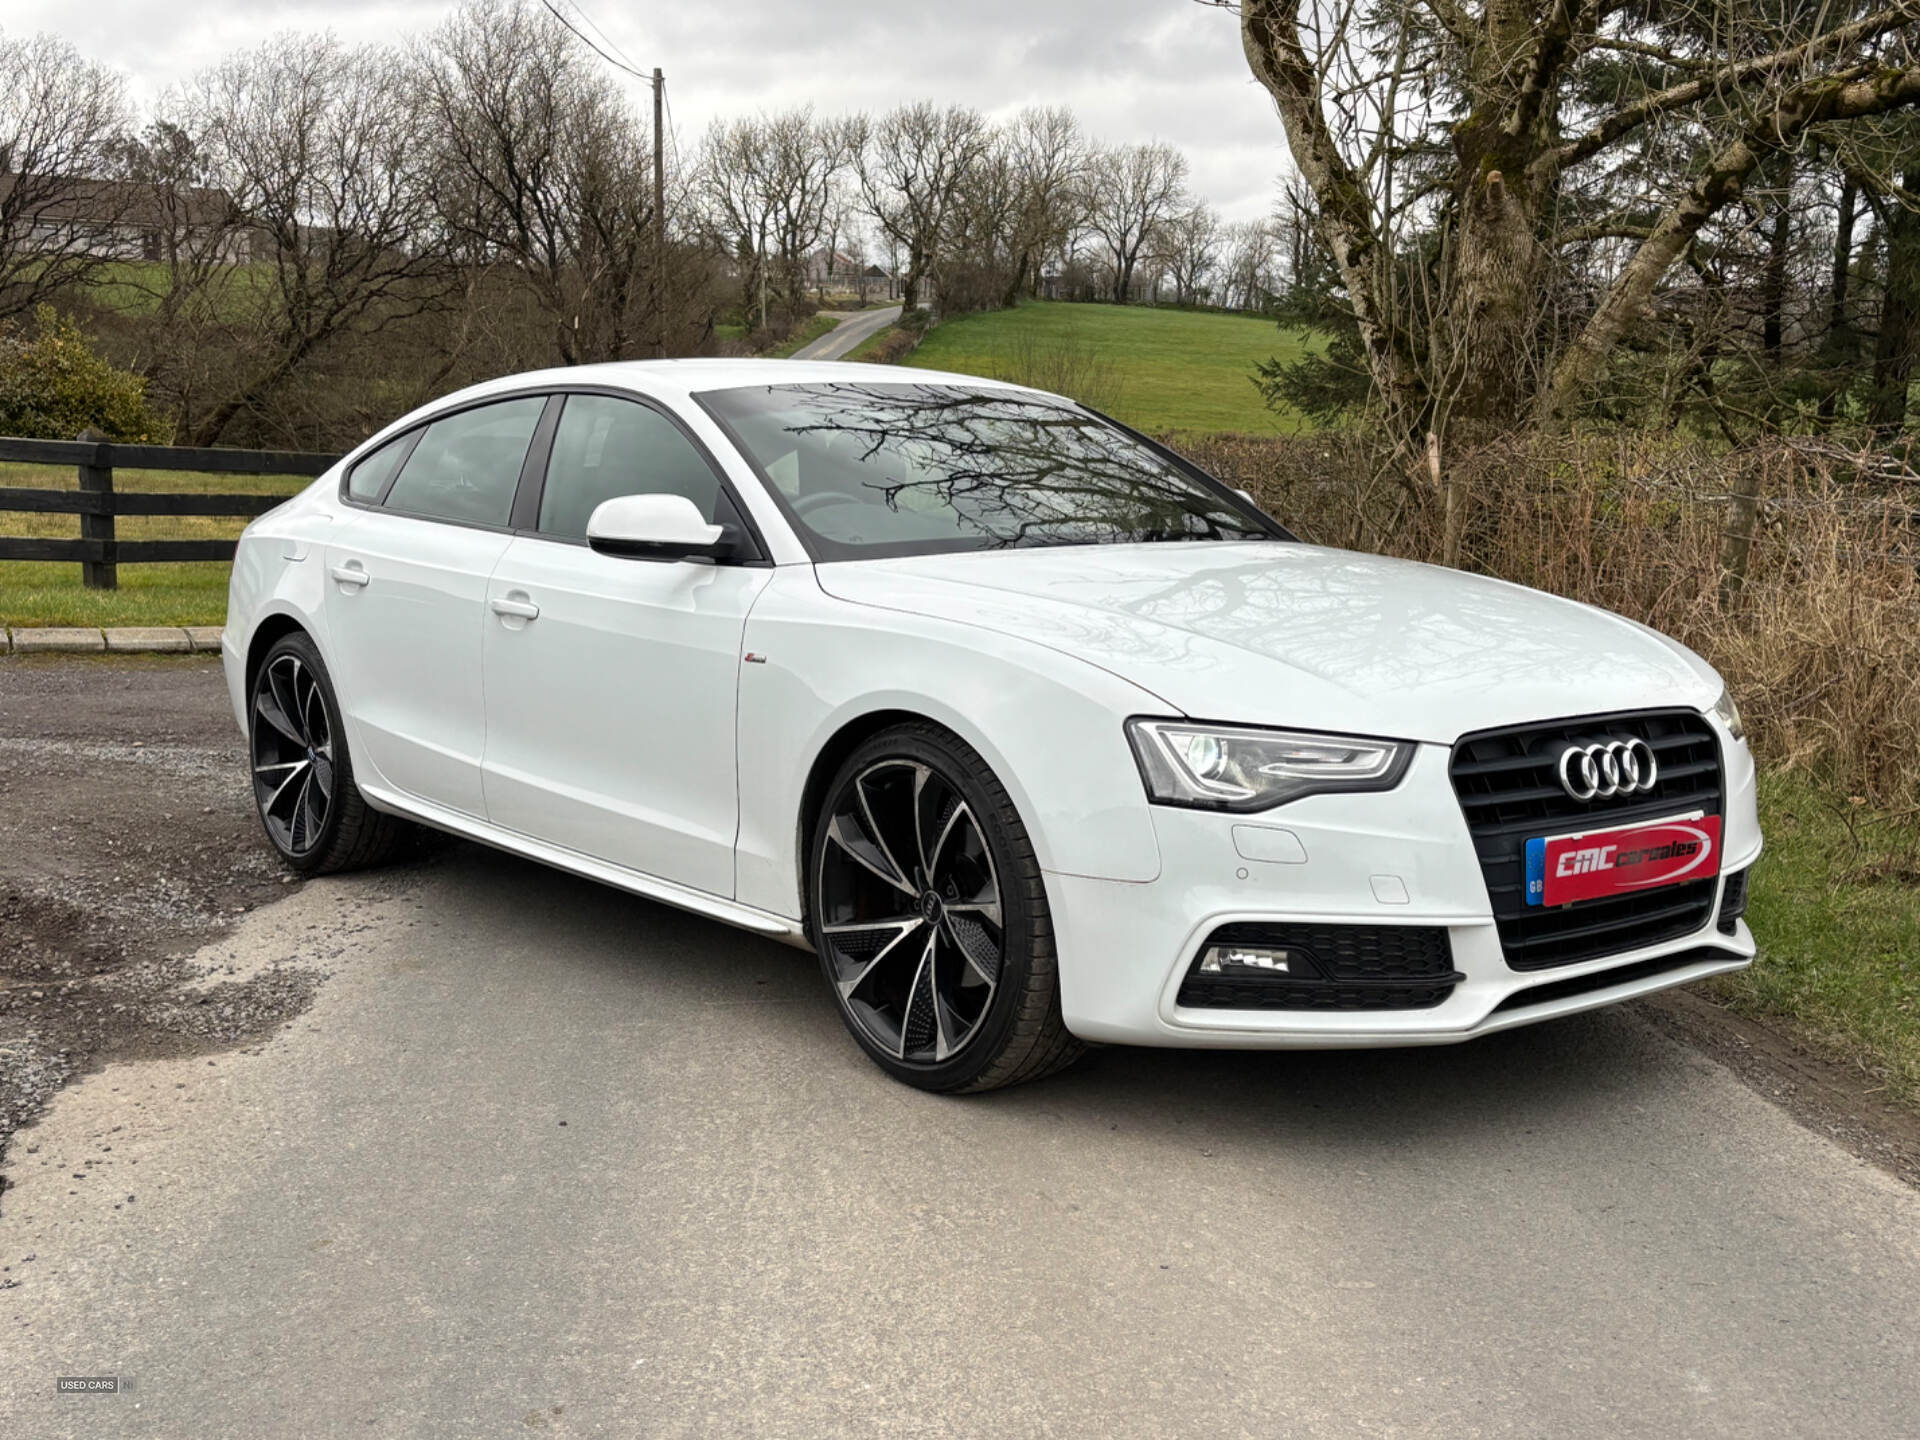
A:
(861, 325)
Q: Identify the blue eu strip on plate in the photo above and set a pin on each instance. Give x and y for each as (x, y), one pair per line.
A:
(1536, 871)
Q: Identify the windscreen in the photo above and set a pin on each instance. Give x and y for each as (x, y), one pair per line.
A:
(870, 470)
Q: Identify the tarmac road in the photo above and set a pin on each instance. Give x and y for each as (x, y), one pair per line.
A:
(546, 1159)
(849, 335)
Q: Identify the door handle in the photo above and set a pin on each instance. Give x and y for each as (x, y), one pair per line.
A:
(518, 609)
(351, 574)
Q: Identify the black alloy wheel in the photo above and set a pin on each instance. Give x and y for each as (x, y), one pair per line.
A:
(293, 771)
(931, 920)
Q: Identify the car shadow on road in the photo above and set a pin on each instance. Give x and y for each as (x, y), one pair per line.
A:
(1540, 1080)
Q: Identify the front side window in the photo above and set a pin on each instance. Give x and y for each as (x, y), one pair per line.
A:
(896, 469)
(606, 448)
(467, 466)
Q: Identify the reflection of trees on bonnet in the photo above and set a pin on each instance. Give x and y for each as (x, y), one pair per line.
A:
(982, 468)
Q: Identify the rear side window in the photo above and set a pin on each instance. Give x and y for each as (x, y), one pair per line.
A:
(606, 448)
(370, 476)
(467, 466)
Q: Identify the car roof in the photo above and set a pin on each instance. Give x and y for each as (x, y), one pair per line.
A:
(679, 379)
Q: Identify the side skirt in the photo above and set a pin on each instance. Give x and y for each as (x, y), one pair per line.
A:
(667, 892)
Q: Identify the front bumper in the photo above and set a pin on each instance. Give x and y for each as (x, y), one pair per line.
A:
(1401, 857)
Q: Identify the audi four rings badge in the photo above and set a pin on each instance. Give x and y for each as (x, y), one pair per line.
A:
(1608, 768)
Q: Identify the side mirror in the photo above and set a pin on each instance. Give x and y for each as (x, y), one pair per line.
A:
(657, 527)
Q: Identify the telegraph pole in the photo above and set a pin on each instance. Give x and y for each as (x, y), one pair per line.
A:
(659, 215)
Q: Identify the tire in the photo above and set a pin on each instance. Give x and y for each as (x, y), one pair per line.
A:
(905, 939)
(303, 789)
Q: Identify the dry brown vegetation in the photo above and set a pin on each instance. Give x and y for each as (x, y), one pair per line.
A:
(1820, 644)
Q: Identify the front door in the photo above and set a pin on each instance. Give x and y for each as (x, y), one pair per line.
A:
(611, 683)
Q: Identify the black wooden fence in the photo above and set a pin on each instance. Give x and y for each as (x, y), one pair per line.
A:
(97, 503)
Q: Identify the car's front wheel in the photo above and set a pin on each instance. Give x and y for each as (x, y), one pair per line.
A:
(302, 772)
(931, 920)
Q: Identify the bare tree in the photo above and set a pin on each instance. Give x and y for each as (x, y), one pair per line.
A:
(540, 167)
(1131, 193)
(911, 165)
(1249, 268)
(1048, 157)
(60, 212)
(196, 236)
(1191, 251)
(324, 153)
(770, 197)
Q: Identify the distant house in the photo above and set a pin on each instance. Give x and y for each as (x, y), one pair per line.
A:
(831, 270)
(122, 219)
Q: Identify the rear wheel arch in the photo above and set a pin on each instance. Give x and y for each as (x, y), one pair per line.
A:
(268, 633)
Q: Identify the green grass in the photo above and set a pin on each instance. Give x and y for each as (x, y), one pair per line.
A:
(816, 327)
(1836, 909)
(867, 348)
(1156, 369)
(193, 593)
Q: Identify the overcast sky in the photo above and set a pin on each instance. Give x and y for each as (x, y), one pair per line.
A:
(1132, 69)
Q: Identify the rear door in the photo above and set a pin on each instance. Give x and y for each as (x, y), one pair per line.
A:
(611, 683)
(407, 567)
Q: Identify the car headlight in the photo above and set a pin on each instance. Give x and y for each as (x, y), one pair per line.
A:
(1728, 714)
(1223, 767)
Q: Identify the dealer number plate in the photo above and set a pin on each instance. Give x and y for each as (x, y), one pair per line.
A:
(1623, 860)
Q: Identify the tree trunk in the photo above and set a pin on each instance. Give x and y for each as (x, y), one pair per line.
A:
(1837, 346)
(1270, 34)
(1774, 289)
(910, 287)
(1898, 347)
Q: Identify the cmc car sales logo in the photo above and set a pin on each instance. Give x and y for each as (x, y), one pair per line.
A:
(1564, 868)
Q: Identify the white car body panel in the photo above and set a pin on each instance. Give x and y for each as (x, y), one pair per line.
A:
(1349, 640)
(406, 648)
(656, 726)
(1047, 730)
(610, 716)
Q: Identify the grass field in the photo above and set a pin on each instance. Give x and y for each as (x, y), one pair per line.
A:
(1836, 909)
(33, 593)
(1156, 369)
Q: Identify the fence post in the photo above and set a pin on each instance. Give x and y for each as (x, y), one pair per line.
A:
(97, 479)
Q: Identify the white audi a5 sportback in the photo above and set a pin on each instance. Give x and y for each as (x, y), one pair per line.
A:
(1035, 733)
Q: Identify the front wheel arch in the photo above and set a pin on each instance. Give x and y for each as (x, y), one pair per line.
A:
(826, 764)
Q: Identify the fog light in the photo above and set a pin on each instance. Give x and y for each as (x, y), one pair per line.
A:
(1248, 960)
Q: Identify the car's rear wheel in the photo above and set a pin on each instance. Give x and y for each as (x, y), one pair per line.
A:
(302, 772)
(930, 918)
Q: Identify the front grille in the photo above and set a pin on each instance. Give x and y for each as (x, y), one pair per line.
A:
(1509, 792)
(1733, 902)
(1343, 967)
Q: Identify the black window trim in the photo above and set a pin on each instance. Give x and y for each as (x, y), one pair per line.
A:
(754, 548)
(524, 513)
(1193, 471)
(406, 440)
(806, 537)
(412, 436)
